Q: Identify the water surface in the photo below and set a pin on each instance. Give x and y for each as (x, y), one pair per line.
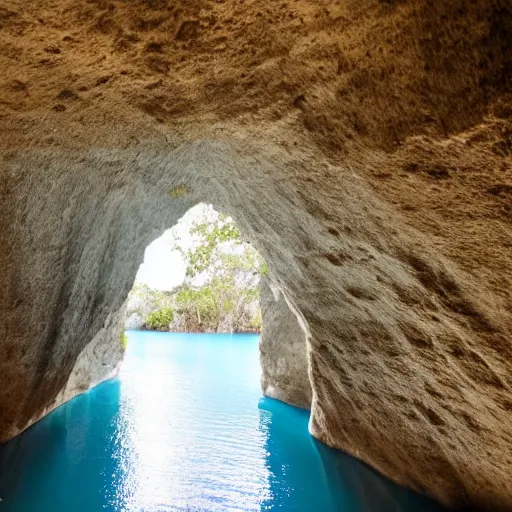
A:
(184, 428)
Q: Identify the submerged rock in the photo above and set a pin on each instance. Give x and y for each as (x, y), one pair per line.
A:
(364, 148)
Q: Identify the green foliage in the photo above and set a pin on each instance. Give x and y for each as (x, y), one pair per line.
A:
(124, 340)
(177, 192)
(160, 319)
(211, 235)
(263, 268)
(198, 308)
(231, 289)
(221, 287)
(255, 321)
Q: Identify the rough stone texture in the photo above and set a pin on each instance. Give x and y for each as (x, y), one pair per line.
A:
(283, 351)
(364, 147)
(98, 361)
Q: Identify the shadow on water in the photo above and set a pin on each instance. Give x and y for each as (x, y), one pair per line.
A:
(334, 482)
(32, 478)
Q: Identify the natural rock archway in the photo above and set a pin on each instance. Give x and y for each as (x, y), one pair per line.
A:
(364, 148)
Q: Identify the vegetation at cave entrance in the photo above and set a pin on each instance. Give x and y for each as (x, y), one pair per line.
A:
(220, 290)
(160, 319)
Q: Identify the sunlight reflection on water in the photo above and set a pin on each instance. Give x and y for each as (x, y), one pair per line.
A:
(184, 428)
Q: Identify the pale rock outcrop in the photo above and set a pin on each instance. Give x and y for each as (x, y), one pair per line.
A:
(98, 361)
(283, 350)
(134, 321)
(364, 148)
(138, 306)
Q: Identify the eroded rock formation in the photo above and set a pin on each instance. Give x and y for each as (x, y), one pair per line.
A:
(283, 351)
(364, 147)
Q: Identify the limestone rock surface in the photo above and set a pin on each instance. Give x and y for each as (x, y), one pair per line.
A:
(98, 361)
(365, 149)
(283, 350)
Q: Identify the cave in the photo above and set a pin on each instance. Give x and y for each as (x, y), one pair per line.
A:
(363, 148)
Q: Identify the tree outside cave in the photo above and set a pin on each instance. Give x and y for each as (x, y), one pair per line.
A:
(200, 276)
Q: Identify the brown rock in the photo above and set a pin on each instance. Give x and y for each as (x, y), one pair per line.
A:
(380, 200)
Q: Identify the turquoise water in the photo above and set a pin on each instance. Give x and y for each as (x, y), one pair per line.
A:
(184, 428)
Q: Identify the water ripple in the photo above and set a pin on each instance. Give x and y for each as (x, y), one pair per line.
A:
(184, 428)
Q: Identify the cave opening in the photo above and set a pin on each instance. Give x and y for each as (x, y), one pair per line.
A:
(191, 381)
(137, 430)
(199, 276)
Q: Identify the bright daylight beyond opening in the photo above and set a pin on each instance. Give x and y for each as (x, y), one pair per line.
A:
(199, 276)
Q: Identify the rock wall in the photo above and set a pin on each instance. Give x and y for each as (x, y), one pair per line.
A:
(283, 350)
(363, 147)
(98, 361)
